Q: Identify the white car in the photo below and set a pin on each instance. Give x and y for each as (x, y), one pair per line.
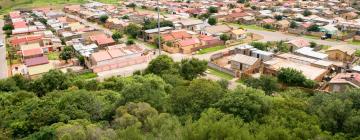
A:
(1, 43)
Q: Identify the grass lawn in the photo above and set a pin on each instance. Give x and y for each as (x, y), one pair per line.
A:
(87, 75)
(220, 74)
(311, 37)
(354, 42)
(8, 5)
(152, 46)
(53, 55)
(211, 49)
(253, 27)
(109, 1)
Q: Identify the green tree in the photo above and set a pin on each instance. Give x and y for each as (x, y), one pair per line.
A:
(307, 13)
(212, 21)
(293, 25)
(8, 27)
(131, 5)
(313, 44)
(212, 10)
(293, 77)
(117, 35)
(160, 65)
(249, 104)
(224, 37)
(267, 83)
(195, 98)
(132, 30)
(241, 1)
(213, 124)
(192, 68)
(314, 28)
(104, 18)
(278, 17)
(67, 53)
(130, 42)
(53, 80)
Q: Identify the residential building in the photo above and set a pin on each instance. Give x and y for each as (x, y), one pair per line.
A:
(341, 53)
(244, 63)
(343, 81)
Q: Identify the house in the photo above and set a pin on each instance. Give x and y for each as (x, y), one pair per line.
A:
(150, 35)
(235, 17)
(217, 30)
(298, 63)
(28, 39)
(190, 24)
(267, 21)
(116, 57)
(297, 44)
(349, 15)
(115, 23)
(36, 61)
(31, 50)
(244, 63)
(282, 25)
(176, 35)
(186, 46)
(341, 53)
(253, 52)
(73, 9)
(342, 81)
(309, 52)
(102, 40)
(238, 34)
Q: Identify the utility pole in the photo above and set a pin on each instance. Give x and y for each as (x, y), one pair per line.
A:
(159, 37)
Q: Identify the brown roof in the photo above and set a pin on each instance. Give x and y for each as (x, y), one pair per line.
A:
(36, 61)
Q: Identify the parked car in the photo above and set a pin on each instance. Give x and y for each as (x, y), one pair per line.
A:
(1, 43)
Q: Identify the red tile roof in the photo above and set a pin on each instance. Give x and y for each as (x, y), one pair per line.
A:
(101, 56)
(36, 61)
(32, 52)
(25, 39)
(15, 14)
(19, 24)
(189, 42)
(236, 15)
(176, 35)
(102, 39)
(207, 38)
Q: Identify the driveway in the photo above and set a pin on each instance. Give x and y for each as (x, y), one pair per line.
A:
(3, 63)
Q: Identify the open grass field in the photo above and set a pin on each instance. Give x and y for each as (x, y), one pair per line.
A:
(211, 49)
(9, 5)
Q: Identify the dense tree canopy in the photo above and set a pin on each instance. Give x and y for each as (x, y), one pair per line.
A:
(170, 101)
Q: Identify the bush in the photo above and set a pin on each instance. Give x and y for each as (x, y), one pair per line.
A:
(130, 42)
(212, 21)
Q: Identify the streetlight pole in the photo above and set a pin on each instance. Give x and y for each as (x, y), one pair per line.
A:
(158, 22)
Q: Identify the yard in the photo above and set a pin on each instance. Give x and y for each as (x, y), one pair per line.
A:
(87, 75)
(253, 27)
(53, 55)
(220, 74)
(211, 49)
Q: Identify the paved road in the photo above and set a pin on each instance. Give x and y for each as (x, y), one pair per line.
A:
(3, 63)
(277, 36)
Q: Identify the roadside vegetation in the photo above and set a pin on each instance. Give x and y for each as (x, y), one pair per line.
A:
(169, 101)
